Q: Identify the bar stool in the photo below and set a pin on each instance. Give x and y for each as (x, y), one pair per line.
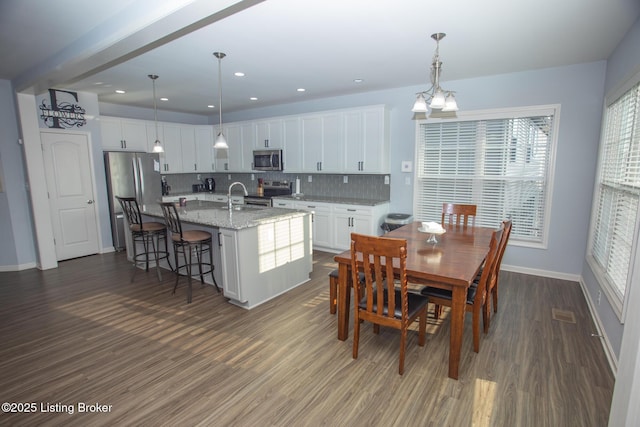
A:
(148, 233)
(186, 242)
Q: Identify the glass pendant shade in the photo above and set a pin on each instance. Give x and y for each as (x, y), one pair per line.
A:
(221, 141)
(438, 101)
(157, 147)
(420, 105)
(450, 103)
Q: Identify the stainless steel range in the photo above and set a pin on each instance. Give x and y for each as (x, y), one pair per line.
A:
(271, 189)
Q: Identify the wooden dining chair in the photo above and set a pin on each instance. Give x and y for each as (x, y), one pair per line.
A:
(385, 301)
(476, 294)
(492, 288)
(457, 214)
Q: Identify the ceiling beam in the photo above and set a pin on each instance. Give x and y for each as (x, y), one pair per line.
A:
(138, 29)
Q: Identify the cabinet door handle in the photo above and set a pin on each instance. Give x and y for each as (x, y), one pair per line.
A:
(351, 210)
(219, 239)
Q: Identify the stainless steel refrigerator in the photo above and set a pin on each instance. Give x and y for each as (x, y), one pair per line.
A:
(130, 175)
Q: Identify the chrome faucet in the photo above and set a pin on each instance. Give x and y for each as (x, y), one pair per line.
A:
(230, 203)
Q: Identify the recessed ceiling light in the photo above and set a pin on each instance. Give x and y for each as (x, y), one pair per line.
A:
(164, 99)
(253, 98)
(301, 89)
(358, 80)
(238, 74)
(211, 106)
(120, 91)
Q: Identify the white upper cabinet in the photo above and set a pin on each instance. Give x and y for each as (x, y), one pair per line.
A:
(269, 134)
(292, 149)
(240, 138)
(322, 143)
(172, 157)
(123, 134)
(205, 156)
(188, 147)
(366, 140)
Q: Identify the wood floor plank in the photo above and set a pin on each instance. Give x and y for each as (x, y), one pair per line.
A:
(83, 333)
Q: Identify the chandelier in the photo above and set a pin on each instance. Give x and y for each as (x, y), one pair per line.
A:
(221, 141)
(438, 99)
(157, 146)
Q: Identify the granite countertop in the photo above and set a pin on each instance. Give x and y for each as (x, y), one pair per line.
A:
(331, 199)
(214, 214)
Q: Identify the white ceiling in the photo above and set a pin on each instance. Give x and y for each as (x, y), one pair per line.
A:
(282, 45)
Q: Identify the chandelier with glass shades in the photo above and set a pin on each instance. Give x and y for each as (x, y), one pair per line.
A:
(436, 98)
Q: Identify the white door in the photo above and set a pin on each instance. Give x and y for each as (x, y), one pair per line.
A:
(67, 164)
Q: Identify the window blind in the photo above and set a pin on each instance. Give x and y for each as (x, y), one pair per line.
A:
(499, 164)
(617, 194)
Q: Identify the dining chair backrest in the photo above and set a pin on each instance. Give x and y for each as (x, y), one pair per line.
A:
(131, 210)
(492, 286)
(171, 218)
(378, 255)
(489, 270)
(458, 214)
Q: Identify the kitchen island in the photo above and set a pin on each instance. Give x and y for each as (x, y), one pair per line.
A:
(263, 252)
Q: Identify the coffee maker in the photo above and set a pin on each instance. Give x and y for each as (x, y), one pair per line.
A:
(209, 185)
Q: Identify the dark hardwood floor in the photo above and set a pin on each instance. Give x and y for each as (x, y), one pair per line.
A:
(82, 333)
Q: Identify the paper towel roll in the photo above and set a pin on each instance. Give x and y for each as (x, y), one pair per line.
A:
(297, 185)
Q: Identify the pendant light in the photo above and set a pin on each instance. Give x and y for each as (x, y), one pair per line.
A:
(221, 141)
(157, 146)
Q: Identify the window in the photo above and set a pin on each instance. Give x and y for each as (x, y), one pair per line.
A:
(614, 216)
(497, 160)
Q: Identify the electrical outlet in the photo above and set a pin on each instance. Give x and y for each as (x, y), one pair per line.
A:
(198, 177)
(253, 177)
(386, 179)
(599, 297)
(310, 178)
(345, 179)
(229, 177)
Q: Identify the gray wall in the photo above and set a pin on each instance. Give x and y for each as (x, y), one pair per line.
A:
(579, 90)
(623, 63)
(17, 249)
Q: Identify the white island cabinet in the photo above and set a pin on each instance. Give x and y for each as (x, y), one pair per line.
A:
(258, 253)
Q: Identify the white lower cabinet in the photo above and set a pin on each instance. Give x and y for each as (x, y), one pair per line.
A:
(333, 223)
(282, 203)
(220, 198)
(227, 239)
(320, 223)
(349, 220)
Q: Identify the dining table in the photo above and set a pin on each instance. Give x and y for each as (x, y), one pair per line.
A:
(451, 262)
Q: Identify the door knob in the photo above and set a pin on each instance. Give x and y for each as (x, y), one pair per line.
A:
(89, 202)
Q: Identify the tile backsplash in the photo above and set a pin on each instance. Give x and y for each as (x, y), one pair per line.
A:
(371, 187)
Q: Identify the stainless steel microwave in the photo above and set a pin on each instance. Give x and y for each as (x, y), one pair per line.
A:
(267, 160)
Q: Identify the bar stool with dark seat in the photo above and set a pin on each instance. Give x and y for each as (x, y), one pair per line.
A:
(186, 242)
(148, 233)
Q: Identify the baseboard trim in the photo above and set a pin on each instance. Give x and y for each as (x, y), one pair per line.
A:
(606, 344)
(542, 273)
(27, 266)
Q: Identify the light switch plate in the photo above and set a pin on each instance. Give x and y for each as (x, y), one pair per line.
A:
(386, 179)
(310, 179)
(345, 179)
(407, 166)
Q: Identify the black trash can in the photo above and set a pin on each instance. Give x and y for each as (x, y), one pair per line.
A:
(396, 220)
